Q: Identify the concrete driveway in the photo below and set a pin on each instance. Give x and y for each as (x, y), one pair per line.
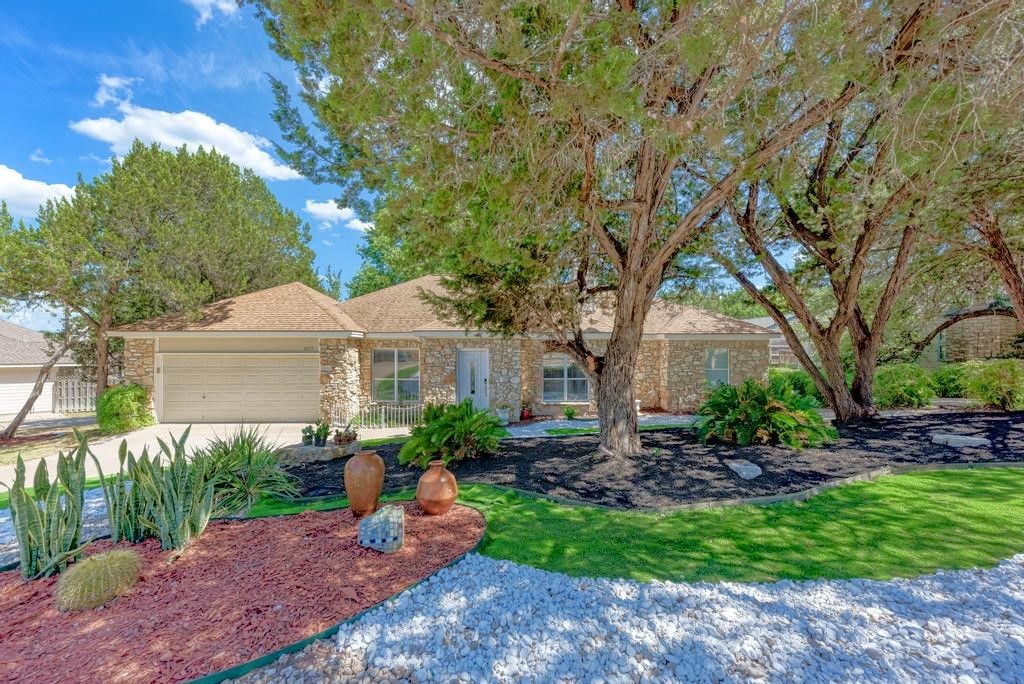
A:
(106, 448)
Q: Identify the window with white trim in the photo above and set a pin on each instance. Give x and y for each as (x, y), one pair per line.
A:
(395, 375)
(716, 366)
(564, 381)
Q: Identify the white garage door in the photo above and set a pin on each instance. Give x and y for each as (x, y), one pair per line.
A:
(15, 386)
(223, 388)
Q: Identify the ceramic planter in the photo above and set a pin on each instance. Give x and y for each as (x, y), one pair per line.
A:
(437, 489)
(320, 441)
(364, 478)
(502, 416)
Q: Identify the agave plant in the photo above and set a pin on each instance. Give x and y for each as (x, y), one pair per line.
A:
(48, 522)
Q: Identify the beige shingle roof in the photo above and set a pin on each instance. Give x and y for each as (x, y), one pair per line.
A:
(286, 308)
(23, 347)
(400, 309)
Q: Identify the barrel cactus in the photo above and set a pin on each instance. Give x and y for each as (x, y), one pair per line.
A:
(98, 579)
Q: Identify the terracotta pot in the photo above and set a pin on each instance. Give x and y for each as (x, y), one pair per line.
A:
(437, 489)
(364, 478)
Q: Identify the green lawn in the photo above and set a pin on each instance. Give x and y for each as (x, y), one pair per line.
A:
(902, 526)
(559, 432)
(381, 441)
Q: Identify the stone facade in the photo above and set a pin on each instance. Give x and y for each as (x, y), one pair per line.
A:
(139, 362)
(985, 337)
(339, 377)
(685, 383)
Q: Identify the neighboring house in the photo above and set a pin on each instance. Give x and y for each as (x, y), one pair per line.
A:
(780, 353)
(983, 337)
(22, 353)
(290, 353)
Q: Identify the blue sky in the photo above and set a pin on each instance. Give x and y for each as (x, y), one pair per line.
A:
(82, 80)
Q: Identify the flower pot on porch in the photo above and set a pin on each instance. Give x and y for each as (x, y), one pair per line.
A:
(502, 416)
(437, 489)
(364, 479)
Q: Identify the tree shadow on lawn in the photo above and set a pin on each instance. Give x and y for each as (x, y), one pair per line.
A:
(894, 527)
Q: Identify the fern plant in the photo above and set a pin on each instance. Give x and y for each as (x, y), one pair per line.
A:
(451, 432)
(48, 522)
(762, 413)
(98, 579)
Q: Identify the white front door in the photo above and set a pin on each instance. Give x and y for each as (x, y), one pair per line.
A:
(471, 377)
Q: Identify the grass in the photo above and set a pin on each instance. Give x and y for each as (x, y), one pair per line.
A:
(898, 526)
(560, 432)
(63, 440)
(381, 441)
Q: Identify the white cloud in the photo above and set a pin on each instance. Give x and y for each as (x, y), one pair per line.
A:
(174, 129)
(113, 89)
(328, 243)
(24, 195)
(329, 213)
(361, 226)
(206, 8)
(39, 157)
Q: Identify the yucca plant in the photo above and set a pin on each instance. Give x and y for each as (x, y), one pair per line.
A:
(452, 432)
(244, 468)
(48, 522)
(178, 495)
(127, 507)
(759, 413)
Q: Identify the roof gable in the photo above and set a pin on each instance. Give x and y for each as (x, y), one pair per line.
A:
(24, 347)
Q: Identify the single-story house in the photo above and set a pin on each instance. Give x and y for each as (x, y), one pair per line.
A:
(290, 353)
(22, 353)
(779, 351)
(983, 337)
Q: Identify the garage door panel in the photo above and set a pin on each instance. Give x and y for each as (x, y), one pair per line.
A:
(240, 387)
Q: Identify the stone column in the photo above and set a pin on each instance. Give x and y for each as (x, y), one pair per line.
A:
(339, 378)
(139, 365)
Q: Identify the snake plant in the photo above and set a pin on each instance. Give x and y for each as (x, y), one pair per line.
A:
(48, 522)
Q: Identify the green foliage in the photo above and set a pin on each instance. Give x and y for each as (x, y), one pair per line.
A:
(762, 413)
(244, 468)
(322, 429)
(168, 496)
(48, 522)
(99, 579)
(903, 385)
(998, 383)
(948, 380)
(798, 379)
(122, 409)
(451, 432)
(570, 412)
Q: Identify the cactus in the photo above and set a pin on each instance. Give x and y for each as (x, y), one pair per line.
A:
(98, 579)
(48, 523)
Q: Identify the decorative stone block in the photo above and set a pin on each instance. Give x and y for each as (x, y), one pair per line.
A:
(292, 455)
(384, 530)
(744, 468)
(959, 440)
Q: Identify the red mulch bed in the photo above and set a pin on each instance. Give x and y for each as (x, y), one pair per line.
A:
(244, 589)
(28, 439)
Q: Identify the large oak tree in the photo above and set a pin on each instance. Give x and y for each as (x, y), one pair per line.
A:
(555, 154)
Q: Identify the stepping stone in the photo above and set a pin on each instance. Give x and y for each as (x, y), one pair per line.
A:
(959, 440)
(744, 468)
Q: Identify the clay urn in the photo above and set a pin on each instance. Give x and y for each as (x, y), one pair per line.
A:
(437, 489)
(364, 478)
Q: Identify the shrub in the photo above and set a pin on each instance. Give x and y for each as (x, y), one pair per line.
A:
(998, 383)
(98, 579)
(570, 412)
(903, 385)
(759, 413)
(948, 380)
(122, 409)
(798, 379)
(451, 432)
(244, 468)
(48, 523)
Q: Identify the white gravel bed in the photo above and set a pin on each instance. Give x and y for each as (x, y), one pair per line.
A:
(94, 524)
(488, 620)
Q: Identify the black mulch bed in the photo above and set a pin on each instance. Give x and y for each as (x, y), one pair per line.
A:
(678, 469)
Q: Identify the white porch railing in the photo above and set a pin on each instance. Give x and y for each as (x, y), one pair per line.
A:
(379, 415)
(72, 394)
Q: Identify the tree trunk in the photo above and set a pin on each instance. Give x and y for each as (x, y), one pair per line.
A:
(37, 389)
(1001, 256)
(102, 345)
(615, 403)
